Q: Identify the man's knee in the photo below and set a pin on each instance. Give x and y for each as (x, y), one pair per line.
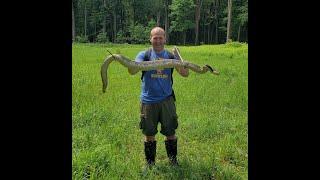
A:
(150, 138)
(172, 137)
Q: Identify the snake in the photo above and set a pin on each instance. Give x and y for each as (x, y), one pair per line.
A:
(151, 65)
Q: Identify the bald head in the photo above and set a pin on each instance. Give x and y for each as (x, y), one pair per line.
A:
(157, 30)
(157, 39)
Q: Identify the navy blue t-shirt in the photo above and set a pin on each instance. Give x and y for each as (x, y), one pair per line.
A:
(156, 84)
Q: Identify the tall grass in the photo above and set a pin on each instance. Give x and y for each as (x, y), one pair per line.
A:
(212, 110)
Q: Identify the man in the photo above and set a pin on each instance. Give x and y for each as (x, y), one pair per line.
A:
(157, 100)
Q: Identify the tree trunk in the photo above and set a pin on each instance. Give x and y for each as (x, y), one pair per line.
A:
(229, 21)
(166, 24)
(216, 6)
(209, 30)
(204, 34)
(213, 37)
(246, 34)
(85, 18)
(217, 33)
(114, 25)
(73, 25)
(104, 23)
(158, 18)
(95, 29)
(197, 18)
(184, 37)
(212, 33)
(239, 30)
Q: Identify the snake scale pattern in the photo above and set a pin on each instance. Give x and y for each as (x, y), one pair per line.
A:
(151, 65)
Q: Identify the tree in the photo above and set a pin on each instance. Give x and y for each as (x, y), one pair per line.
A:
(158, 7)
(104, 21)
(242, 16)
(197, 19)
(229, 20)
(85, 18)
(216, 12)
(181, 15)
(166, 20)
(207, 21)
(191, 21)
(73, 25)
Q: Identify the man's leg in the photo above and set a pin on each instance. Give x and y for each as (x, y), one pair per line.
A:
(172, 149)
(150, 149)
(169, 123)
(148, 125)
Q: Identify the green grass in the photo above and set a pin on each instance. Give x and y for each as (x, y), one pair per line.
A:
(212, 110)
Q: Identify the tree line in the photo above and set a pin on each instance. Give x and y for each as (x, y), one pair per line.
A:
(185, 21)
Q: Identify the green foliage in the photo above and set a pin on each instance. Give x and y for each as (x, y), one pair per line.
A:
(121, 38)
(235, 43)
(143, 10)
(138, 34)
(82, 39)
(151, 24)
(126, 14)
(102, 38)
(241, 12)
(181, 15)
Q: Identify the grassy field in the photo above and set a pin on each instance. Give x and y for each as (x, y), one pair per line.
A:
(212, 110)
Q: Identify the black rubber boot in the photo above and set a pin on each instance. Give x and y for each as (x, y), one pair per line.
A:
(171, 147)
(150, 150)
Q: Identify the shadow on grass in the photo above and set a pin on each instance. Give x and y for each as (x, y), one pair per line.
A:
(185, 170)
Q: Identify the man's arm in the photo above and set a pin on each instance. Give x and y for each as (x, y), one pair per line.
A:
(184, 72)
(139, 58)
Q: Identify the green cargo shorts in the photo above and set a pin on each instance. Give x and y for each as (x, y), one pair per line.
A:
(164, 113)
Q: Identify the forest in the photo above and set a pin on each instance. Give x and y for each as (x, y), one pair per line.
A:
(187, 22)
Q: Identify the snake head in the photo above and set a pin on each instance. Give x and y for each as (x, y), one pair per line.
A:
(212, 70)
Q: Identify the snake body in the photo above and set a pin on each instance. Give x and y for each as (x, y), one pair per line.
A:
(150, 65)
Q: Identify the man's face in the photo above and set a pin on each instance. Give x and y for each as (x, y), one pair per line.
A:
(158, 40)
